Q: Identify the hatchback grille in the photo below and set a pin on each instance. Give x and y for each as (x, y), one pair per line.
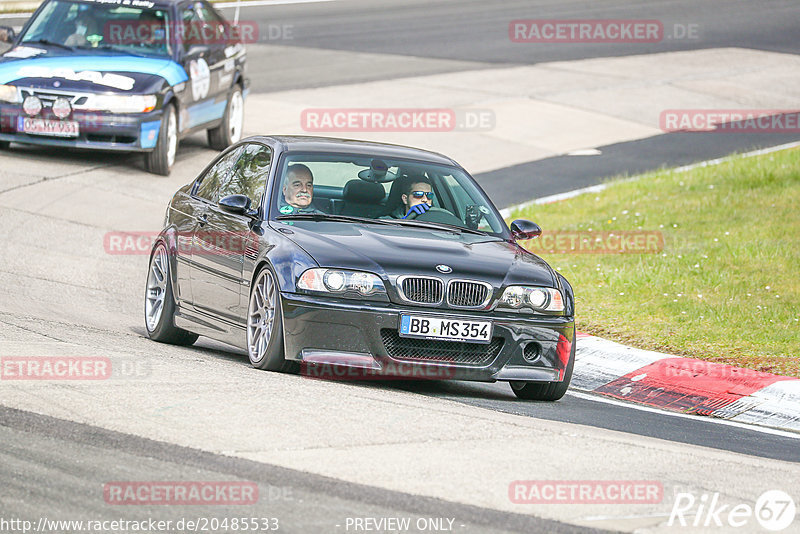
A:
(466, 294)
(422, 290)
(427, 350)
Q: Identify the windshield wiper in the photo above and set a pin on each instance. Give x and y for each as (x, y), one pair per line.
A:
(111, 48)
(51, 43)
(391, 222)
(440, 226)
(335, 218)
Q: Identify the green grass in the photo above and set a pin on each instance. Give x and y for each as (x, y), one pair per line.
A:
(725, 287)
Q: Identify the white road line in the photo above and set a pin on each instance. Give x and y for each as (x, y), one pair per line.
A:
(506, 212)
(698, 418)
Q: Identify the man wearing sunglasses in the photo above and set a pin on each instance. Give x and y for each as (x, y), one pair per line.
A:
(417, 198)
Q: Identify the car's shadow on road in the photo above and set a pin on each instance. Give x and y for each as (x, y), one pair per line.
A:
(92, 159)
(453, 389)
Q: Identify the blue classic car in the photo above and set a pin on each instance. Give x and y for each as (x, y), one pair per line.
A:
(124, 75)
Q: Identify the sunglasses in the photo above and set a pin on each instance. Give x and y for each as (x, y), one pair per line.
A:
(420, 194)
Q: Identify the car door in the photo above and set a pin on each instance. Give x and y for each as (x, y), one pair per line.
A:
(224, 238)
(203, 58)
(203, 195)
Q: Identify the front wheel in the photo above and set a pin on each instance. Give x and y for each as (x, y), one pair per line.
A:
(265, 324)
(546, 391)
(4, 145)
(229, 130)
(159, 303)
(160, 160)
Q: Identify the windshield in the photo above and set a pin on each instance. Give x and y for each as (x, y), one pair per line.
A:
(97, 26)
(382, 189)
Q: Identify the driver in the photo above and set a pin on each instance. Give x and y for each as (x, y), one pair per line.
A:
(85, 25)
(298, 190)
(417, 198)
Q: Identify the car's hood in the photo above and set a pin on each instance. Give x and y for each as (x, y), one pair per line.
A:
(393, 251)
(36, 66)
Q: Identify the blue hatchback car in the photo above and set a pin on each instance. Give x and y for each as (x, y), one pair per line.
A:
(124, 75)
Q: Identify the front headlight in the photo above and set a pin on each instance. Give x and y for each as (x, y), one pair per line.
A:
(9, 93)
(341, 283)
(122, 103)
(528, 298)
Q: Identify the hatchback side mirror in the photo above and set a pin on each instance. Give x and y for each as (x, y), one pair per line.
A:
(237, 204)
(523, 229)
(7, 34)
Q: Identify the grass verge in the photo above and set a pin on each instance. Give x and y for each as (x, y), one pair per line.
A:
(725, 287)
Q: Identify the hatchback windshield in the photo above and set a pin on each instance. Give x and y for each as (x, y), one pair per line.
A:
(382, 189)
(97, 26)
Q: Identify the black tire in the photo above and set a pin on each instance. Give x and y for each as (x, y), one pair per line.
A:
(546, 391)
(272, 357)
(4, 145)
(229, 130)
(161, 159)
(163, 328)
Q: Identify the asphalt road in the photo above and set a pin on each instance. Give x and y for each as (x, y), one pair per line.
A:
(476, 31)
(57, 469)
(413, 450)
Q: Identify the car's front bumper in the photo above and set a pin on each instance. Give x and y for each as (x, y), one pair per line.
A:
(324, 333)
(127, 132)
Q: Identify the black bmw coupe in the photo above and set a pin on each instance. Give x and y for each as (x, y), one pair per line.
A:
(311, 251)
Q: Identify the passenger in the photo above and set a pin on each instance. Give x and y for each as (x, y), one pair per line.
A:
(417, 198)
(298, 190)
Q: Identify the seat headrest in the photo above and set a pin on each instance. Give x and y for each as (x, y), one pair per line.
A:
(362, 192)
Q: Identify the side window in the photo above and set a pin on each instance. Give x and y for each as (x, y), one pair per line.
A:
(249, 176)
(201, 24)
(211, 183)
(191, 27)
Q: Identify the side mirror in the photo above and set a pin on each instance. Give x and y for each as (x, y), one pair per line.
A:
(236, 204)
(523, 229)
(7, 34)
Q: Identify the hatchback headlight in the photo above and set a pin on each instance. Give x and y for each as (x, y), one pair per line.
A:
(528, 298)
(340, 283)
(9, 93)
(122, 103)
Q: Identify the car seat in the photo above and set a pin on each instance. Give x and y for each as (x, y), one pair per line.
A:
(362, 199)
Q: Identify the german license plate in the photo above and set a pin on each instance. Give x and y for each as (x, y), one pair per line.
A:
(48, 127)
(445, 328)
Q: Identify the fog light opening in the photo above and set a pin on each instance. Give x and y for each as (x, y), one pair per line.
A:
(531, 351)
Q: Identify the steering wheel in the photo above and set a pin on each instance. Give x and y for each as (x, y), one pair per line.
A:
(437, 215)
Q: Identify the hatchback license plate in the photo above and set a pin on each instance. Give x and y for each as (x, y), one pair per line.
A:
(48, 127)
(445, 328)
